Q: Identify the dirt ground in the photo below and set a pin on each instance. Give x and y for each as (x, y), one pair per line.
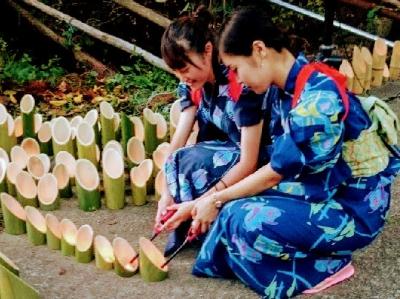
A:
(55, 276)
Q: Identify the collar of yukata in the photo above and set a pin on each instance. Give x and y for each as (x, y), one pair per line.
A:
(300, 61)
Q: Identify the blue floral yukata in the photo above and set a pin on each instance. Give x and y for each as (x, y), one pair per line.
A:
(333, 199)
(193, 170)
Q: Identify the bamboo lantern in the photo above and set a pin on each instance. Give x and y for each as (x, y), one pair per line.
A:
(117, 127)
(14, 215)
(360, 71)
(31, 147)
(18, 128)
(62, 136)
(113, 179)
(86, 143)
(48, 193)
(124, 253)
(138, 128)
(27, 107)
(84, 244)
(174, 115)
(91, 118)
(13, 169)
(53, 232)
(114, 145)
(4, 156)
(87, 185)
(150, 131)
(35, 226)
(135, 151)
(44, 137)
(38, 121)
(26, 189)
(69, 161)
(36, 167)
(107, 122)
(140, 176)
(5, 141)
(366, 55)
(3, 180)
(378, 61)
(19, 156)
(151, 261)
(68, 237)
(61, 173)
(346, 69)
(104, 254)
(126, 130)
(395, 62)
(162, 128)
(159, 157)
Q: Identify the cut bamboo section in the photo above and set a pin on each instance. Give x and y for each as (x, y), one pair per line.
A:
(86, 143)
(53, 232)
(346, 69)
(14, 215)
(11, 132)
(36, 167)
(60, 171)
(138, 127)
(35, 226)
(27, 107)
(18, 128)
(68, 237)
(126, 130)
(379, 54)
(103, 252)
(4, 156)
(113, 179)
(13, 287)
(395, 62)
(107, 122)
(87, 186)
(26, 189)
(159, 156)
(140, 176)
(366, 55)
(124, 253)
(117, 127)
(76, 121)
(19, 156)
(69, 161)
(84, 244)
(44, 137)
(48, 193)
(8, 264)
(62, 136)
(114, 145)
(6, 141)
(31, 147)
(46, 162)
(162, 128)
(3, 179)
(151, 260)
(135, 151)
(159, 182)
(91, 118)
(360, 71)
(38, 121)
(386, 74)
(13, 169)
(174, 114)
(150, 131)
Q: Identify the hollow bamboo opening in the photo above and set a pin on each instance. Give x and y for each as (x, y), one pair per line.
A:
(68, 160)
(53, 225)
(135, 150)
(26, 185)
(113, 164)
(104, 248)
(85, 134)
(13, 206)
(61, 130)
(84, 238)
(35, 218)
(44, 134)
(68, 231)
(47, 189)
(27, 104)
(87, 175)
(30, 146)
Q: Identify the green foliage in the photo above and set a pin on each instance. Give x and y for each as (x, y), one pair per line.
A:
(90, 78)
(371, 19)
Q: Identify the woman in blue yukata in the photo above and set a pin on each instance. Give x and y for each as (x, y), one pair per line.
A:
(230, 120)
(292, 226)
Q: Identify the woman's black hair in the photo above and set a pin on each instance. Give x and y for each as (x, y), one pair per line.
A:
(248, 24)
(187, 33)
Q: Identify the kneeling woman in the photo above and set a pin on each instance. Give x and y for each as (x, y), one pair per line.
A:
(292, 226)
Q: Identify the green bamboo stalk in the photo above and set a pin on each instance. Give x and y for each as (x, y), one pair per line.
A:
(124, 253)
(84, 244)
(3, 172)
(26, 189)
(35, 226)
(62, 136)
(150, 262)
(68, 237)
(13, 287)
(117, 126)
(113, 179)
(14, 215)
(150, 131)
(139, 179)
(53, 232)
(138, 127)
(48, 193)
(107, 122)
(44, 137)
(27, 107)
(86, 143)
(103, 252)
(4, 130)
(12, 139)
(13, 169)
(91, 118)
(69, 161)
(87, 186)
(60, 171)
(8, 264)
(126, 130)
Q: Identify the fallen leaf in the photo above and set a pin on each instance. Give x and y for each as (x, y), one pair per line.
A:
(58, 103)
(78, 99)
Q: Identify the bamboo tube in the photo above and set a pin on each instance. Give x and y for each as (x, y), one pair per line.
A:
(19, 156)
(91, 118)
(4, 136)
(379, 54)
(61, 136)
(124, 253)
(386, 74)
(35, 226)
(360, 71)
(87, 185)
(36, 167)
(44, 137)
(4, 156)
(3, 180)
(68, 237)
(48, 193)
(84, 244)
(103, 252)
(13, 169)
(46, 162)
(395, 62)
(107, 122)
(68, 160)
(38, 121)
(18, 128)
(114, 145)
(31, 147)
(138, 128)
(113, 179)
(159, 157)
(26, 189)
(60, 171)
(346, 69)
(366, 55)
(76, 121)
(9, 264)
(53, 232)
(27, 107)
(12, 139)
(158, 185)
(126, 130)
(14, 215)
(162, 128)
(86, 142)
(150, 131)
(139, 176)
(117, 127)
(135, 151)
(174, 114)
(150, 262)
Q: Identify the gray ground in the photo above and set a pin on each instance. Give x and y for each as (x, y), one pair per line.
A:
(55, 276)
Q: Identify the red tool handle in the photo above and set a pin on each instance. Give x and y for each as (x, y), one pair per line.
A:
(164, 218)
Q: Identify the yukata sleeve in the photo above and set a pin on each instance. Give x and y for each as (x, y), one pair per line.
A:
(249, 108)
(184, 96)
(313, 135)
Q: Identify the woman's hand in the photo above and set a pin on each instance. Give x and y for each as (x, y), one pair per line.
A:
(183, 213)
(204, 214)
(164, 202)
